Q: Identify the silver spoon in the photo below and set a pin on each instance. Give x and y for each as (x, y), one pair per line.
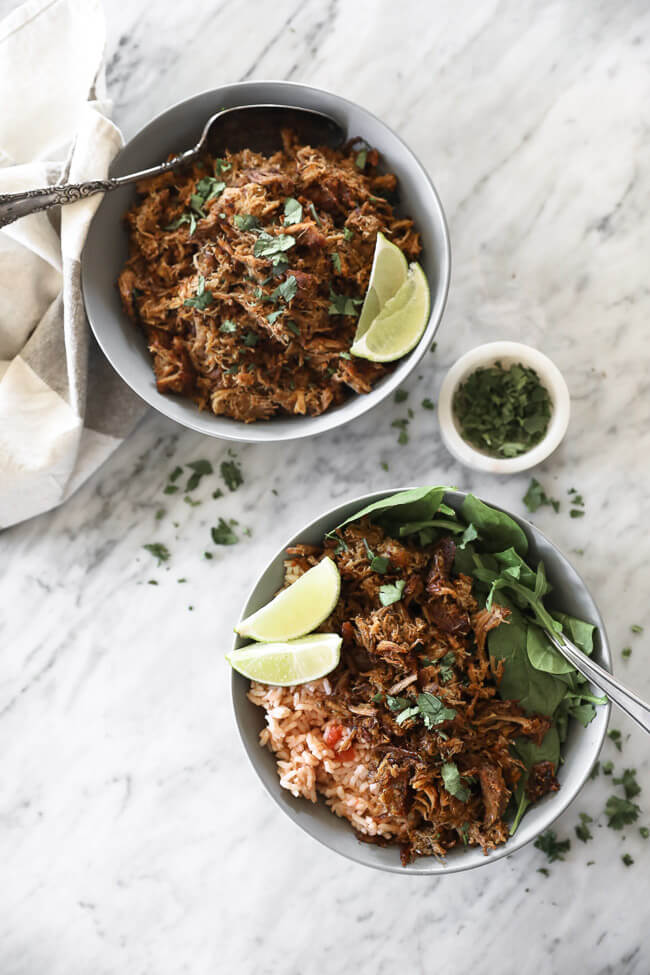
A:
(626, 700)
(255, 127)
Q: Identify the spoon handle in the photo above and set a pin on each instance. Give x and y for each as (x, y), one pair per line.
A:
(16, 205)
(637, 709)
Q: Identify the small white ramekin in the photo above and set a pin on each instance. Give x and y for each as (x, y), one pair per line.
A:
(508, 353)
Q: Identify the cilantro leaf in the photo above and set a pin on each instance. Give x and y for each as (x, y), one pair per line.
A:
(202, 298)
(158, 550)
(549, 844)
(389, 593)
(453, 783)
(336, 262)
(582, 829)
(287, 290)
(228, 327)
(620, 812)
(347, 233)
(200, 468)
(231, 473)
(433, 710)
(246, 221)
(342, 304)
(267, 245)
(292, 211)
(630, 785)
(223, 534)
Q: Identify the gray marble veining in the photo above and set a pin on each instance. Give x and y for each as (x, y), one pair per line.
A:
(134, 836)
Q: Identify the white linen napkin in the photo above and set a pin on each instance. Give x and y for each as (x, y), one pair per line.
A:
(63, 409)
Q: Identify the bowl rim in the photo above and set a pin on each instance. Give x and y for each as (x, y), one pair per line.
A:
(551, 378)
(424, 866)
(353, 408)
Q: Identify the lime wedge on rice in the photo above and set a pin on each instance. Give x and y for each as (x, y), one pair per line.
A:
(399, 325)
(297, 610)
(291, 662)
(388, 274)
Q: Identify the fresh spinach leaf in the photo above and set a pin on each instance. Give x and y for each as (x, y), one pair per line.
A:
(497, 529)
(452, 781)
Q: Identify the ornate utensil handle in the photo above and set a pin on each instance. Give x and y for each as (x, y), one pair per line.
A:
(16, 205)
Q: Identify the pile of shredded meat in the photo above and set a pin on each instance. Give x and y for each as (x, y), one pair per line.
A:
(247, 274)
(432, 641)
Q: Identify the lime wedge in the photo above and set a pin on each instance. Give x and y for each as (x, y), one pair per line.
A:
(399, 325)
(292, 662)
(296, 610)
(388, 274)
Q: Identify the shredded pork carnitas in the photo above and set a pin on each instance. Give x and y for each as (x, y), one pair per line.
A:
(432, 641)
(247, 275)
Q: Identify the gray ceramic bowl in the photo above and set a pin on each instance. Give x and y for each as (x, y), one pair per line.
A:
(179, 128)
(581, 749)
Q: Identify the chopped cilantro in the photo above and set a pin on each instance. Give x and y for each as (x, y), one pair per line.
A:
(170, 489)
(453, 783)
(245, 221)
(152, 582)
(582, 829)
(626, 652)
(630, 785)
(287, 290)
(446, 667)
(384, 466)
(361, 159)
(401, 395)
(644, 831)
(292, 211)
(183, 579)
(208, 555)
(273, 316)
(616, 737)
(218, 493)
(342, 304)
(636, 628)
(536, 496)
(267, 245)
(544, 870)
(202, 298)
(345, 355)
(504, 411)
(251, 340)
(627, 859)
(228, 327)
(199, 468)
(595, 772)
(391, 593)
(336, 262)
(231, 473)
(347, 233)
(621, 812)
(428, 404)
(175, 474)
(608, 768)
(549, 844)
(292, 327)
(160, 514)
(158, 550)
(312, 209)
(576, 513)
(223, 534)
(188, 500)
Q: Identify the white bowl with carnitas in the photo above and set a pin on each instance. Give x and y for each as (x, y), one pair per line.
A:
(507, 354)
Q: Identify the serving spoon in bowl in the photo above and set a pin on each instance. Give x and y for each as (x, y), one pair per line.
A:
(626, 699)
(256, 127)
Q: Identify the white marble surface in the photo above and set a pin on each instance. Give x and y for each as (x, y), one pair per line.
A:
(134, 836)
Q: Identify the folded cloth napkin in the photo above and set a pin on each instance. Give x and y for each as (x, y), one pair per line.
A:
(63, 409)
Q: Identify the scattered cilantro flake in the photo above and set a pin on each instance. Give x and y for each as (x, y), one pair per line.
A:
(428, 404)
(188, 500)
(630, 785)
(636, 628)
(504, 411)
(434, 346)
(202, 299)
(549, 844)
(361, 159)
(221, 166)
(228, 327)
(223, 534)
(536, 496)
(608, 768)
(391, 593)
(582, 829)
(231, 473)
(175, 474)
(627, 859)
(620, 812)
(245, 221)
(384, 466)
(287, 290)
(152, 582)
(170, 489)
(616, 737)
(274, 315)
(595, 772)
(336, 262)
(644, 831)
(208, 555)
(576, 513)
(342, 304)
(401, 395)
(292, 211)
(199, 468)
(218, 493)
(345, 355)
(158, 550)
(251, 340)
(453, 783)
(626, 652)
(160, 514)
(544, 870)
(267, 245)
(347, 233)
(312, 209)
(189, 218)
(446, 667)
(292, 327)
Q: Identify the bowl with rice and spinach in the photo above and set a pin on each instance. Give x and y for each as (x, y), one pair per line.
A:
(443, 731)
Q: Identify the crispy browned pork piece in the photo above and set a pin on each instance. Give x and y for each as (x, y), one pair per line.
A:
(247, 274)
(431, 642)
